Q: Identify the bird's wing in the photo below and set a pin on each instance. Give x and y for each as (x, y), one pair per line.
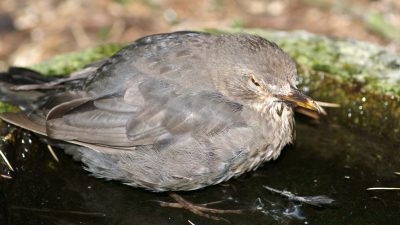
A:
(172, 112)
(168, 112)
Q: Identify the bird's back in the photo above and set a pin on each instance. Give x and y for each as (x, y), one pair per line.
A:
(180, 58)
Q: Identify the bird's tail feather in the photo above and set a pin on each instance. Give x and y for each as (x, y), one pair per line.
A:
(29, 89)
(21, 76)
(15, 77)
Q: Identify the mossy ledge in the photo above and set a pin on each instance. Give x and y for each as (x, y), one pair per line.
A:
(363, 78)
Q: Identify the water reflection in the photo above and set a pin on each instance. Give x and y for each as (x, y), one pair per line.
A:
(327, 160)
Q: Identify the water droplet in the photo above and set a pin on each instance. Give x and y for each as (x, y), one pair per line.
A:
(294, 212)
(259, 204)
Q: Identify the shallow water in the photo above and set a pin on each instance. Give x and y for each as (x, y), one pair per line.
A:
(326, 160)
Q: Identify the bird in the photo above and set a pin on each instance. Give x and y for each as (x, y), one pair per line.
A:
(172, 111)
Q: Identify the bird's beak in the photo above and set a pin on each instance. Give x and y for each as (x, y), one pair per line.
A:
(301, 100)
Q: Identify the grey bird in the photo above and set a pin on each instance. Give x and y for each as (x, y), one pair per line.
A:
(172, 112)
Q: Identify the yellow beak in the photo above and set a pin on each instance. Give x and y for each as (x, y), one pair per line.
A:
(301, 100)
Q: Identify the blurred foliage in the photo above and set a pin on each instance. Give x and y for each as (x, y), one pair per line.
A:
(377, 23)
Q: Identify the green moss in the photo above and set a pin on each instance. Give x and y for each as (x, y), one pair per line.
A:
(67, 63)
(4, 107)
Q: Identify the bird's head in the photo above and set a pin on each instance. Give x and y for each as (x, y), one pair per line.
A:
(259, 74)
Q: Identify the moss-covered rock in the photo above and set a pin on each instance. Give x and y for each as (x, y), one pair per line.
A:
(362, 77)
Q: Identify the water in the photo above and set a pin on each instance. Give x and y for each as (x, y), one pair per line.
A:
(326, 160)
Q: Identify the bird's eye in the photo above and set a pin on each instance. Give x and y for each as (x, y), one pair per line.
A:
(253, 80)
